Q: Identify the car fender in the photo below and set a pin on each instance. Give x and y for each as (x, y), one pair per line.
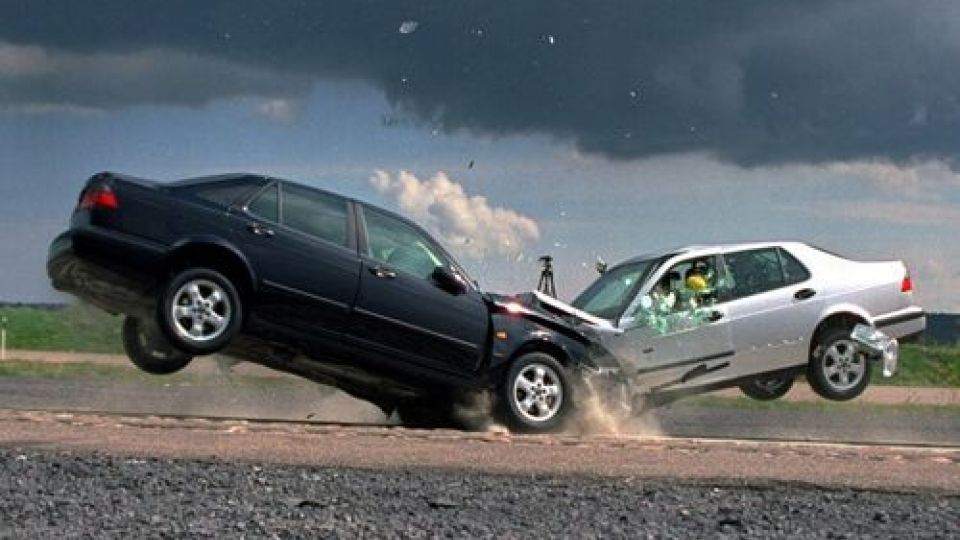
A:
(837, 309)
(513, 335)
(201, 240)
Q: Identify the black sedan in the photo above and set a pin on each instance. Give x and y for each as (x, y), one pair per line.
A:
(316, 284)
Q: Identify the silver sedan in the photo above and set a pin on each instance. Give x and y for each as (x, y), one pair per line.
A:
(751, 315)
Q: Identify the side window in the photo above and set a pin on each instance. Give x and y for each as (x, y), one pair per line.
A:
(318, 214)
(400, 246)
(793, 270)
(753, 272)
(267, 204)
(680, 299)
(687, 285)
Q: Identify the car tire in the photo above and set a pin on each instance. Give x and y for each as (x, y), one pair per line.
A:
(149, 349)
(838, 370)
(768, 387)
(200, 311)
(536, 396)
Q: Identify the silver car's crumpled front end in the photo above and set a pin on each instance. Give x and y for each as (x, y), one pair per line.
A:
(878, 345)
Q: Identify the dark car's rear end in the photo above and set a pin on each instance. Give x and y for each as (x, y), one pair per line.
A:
(110, 253)
(125, 232)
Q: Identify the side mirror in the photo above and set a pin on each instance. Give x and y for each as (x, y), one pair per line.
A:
(448, 280)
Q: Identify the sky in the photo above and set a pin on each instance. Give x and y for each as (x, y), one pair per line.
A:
(511, 130)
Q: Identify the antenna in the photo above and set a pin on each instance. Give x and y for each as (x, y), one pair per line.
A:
(546, 284)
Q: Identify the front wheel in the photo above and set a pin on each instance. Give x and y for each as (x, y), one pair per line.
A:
(536, 395)
(838, 369)
(149, 350)
(768, 387)
(199, 311)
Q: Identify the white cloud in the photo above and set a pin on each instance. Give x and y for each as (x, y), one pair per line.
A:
(893, 212)
(467, 223)
(919, 180)
(283, 111)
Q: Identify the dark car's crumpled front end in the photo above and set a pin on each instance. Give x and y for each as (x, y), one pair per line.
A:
(530, 321)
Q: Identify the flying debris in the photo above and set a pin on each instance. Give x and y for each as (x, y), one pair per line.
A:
(409, 27)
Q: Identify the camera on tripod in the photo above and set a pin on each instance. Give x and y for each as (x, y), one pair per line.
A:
(546, 284)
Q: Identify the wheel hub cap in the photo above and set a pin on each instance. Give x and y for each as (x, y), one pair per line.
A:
(201, 311)
(537, 393)
(843, 365)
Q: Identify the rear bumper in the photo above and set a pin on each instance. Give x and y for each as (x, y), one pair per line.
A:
(902, 324)
(107, 269)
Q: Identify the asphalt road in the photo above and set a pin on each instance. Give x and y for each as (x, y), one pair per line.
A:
(297, 400)
(58, 495)
(81, 475)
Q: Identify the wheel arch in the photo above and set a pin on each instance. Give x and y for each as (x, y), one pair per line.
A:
(545, 346)
(216, 254)
(843, 316)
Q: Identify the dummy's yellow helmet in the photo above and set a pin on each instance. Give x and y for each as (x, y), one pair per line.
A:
(696, 283)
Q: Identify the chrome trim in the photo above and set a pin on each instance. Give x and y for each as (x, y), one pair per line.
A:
(891, 319)
(292, 290)
(707, 358)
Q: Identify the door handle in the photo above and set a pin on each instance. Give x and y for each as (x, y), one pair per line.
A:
(260, 230)
(714, 316)
(803, 294)
(382, 272)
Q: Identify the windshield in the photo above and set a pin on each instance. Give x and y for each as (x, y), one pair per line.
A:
(609, 295)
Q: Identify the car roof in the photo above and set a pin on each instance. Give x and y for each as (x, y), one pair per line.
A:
(212, 178)
(709, 249)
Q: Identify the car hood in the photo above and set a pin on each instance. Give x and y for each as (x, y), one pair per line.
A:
(551, 312)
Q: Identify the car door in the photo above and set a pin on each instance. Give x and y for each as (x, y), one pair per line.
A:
(772, 305)
(302, 246)
(676, 336)
(401, 310)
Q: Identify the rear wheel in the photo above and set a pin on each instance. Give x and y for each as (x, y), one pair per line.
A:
(149, 349)
(536, 395)
(838, 369)
(768, 387)
(199, 311)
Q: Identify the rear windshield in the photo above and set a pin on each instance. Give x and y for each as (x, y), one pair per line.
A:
(224, 193)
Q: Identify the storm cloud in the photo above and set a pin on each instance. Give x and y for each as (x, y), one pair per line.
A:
(751, 82)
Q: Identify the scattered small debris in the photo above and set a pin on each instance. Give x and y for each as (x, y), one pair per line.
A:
(470, 165)
(409, 27)
(442, 502)
(304, 503)
(730, 521)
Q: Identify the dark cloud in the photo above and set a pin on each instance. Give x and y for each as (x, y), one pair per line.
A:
(751, 81)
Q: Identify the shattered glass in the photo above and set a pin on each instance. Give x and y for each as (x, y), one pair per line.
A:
(676, 304)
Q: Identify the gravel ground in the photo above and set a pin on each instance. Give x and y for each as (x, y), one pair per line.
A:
(47, 494)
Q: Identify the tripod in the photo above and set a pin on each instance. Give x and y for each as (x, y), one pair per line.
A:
(546, 284)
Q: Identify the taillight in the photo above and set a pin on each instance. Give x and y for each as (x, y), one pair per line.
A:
(907, 284)
(99, 197)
